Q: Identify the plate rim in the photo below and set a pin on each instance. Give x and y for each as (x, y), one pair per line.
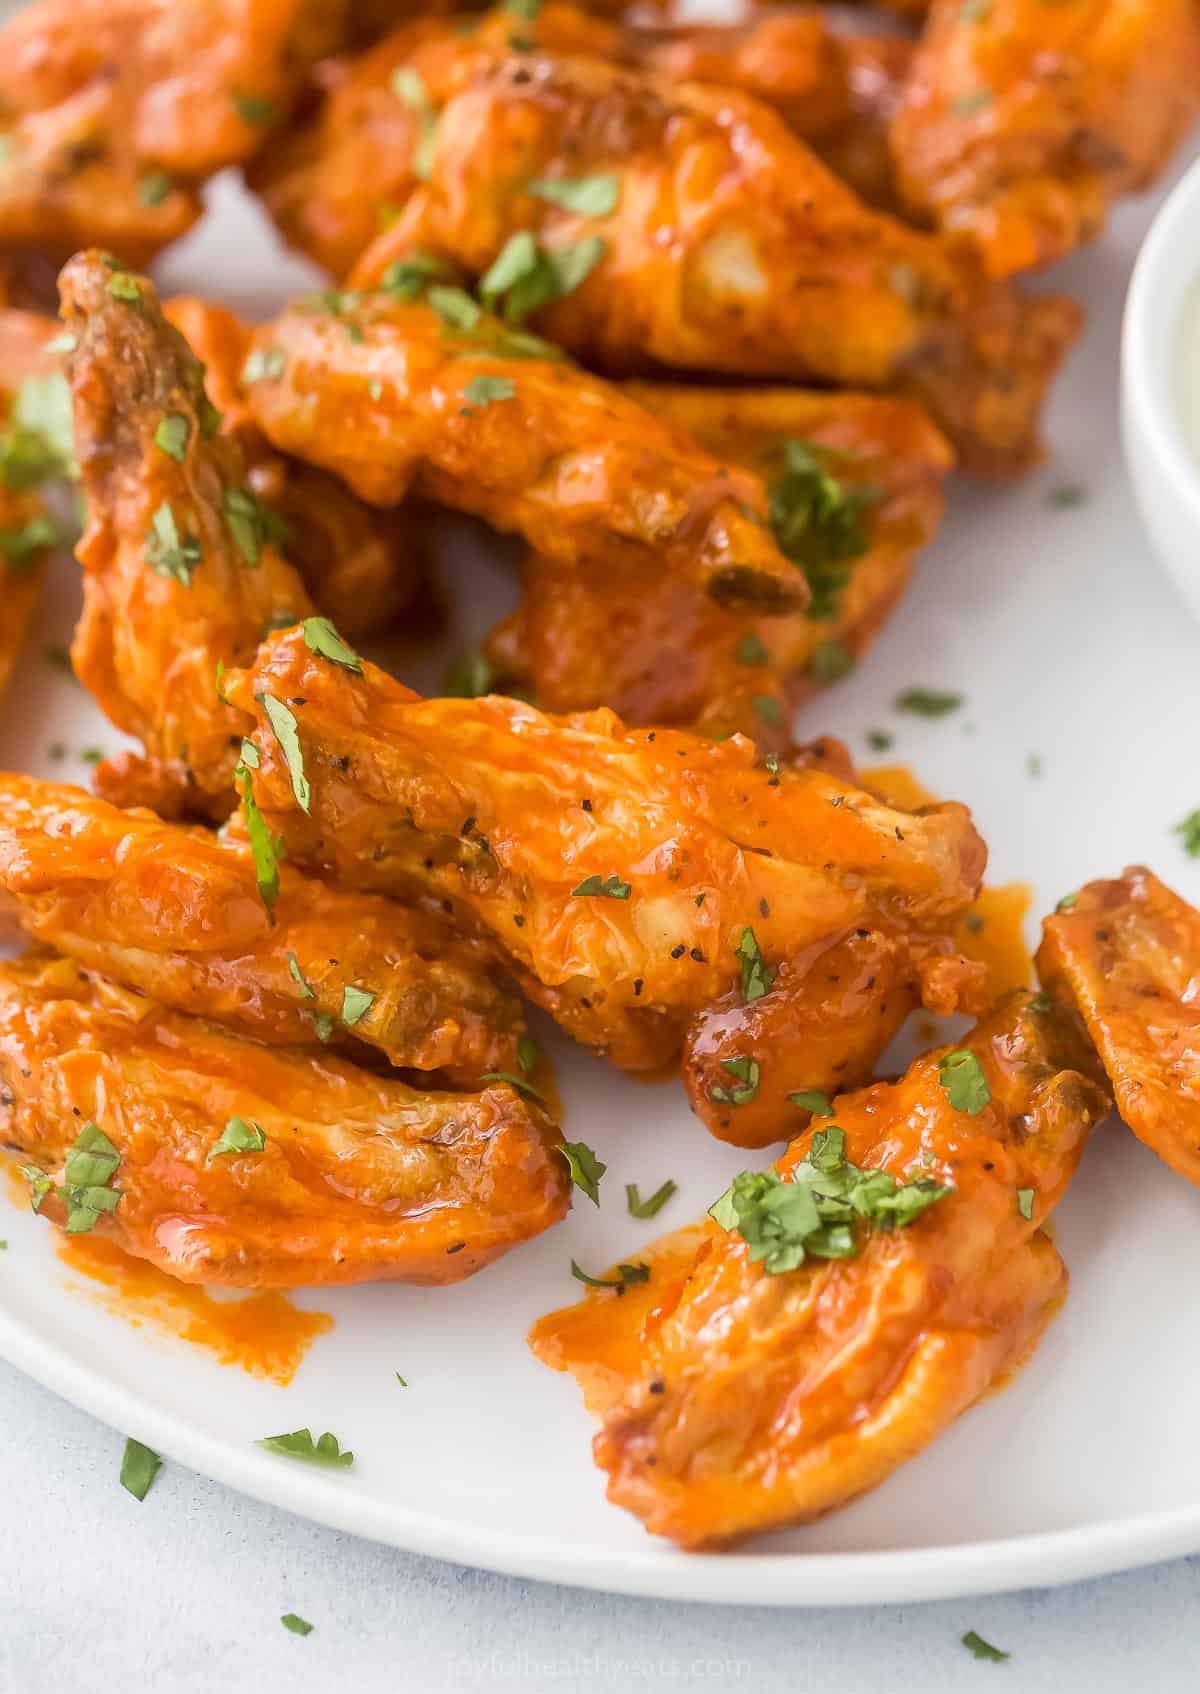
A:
(944, 1572)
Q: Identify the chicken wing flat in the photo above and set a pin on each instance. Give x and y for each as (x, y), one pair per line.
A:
(362, 565)
(116, 111)
(178, 915)
(774, 267)
(28, 462)
(335, 179)
(400, 396)
(180, 569)
(631, 877)
(1127, 954)
(235, 1165)
(854, 490)
(1022, 121)
(773, 1370)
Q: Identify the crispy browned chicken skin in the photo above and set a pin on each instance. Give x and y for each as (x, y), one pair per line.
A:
(663, 652)
(733, 1400)
(631, 877)
(359, 1176)
(1021, 121)
(386, 392)
(773, 268)
(180, 572)
(116, 111)
(1127, 954)
(177, 915)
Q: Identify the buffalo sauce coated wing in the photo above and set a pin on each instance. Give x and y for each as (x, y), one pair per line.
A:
(1021, 121)
(180, 572)
(177, 915)
(772, 268)
(860, 495)
(116, 111)
(733, 1399)
(360, 564)
(631, 877)
(347, 1176)
(401, 396)
(1127, 954)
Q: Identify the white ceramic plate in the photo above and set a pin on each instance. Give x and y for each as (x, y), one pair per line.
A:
(1068, 644)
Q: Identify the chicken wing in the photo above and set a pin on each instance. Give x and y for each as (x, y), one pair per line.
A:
(631, 877)
(362, 565)
(242, 1166)
(1021, 122)
(774, 268)
(180, 567)
(1127, 954)
(436, 398)
(854, 485)
(755, 1381)
(116, 111)
(337, 177)
(178, 915)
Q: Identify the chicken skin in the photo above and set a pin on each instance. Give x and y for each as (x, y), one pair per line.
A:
(1127, 955)
(401, 396)
(336, 178)
(1021, 121)
(180, 569)
(331, 1175)
(178, 915)
(752, 1383)
(116, 111)
(774, 267)
(854, 484)
(361, 565)
(28, 462)
(631, 877)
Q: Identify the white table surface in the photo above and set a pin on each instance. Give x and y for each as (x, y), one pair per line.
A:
(183, 1595)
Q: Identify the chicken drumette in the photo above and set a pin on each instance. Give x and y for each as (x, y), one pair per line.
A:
(774, 1368)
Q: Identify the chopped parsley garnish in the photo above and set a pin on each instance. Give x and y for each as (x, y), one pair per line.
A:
(527, 1055)
(139, 1467)
(830, 662)
(818, 522)
(767, 707)
(981, 1649)
(40, 1185)
(171, 436)
(974, 101)
(323, 1026)
(263, 846)
(961, 1076)
(264, 363)
(747, 1073)
(928, 702)
(300, 1445)
(482, 390)
(283, 721)
(653, 1204)
(322, 638)
(625, 1275)
(122, 286)
(750, 650)
(878, 740)
(603, 888)
(526, 276)
(90, 1166)
(169, 553)
(21, 545)
(408, 86)
(307, 992)
(356, 1003)
(250, 523)
(43, 407)
(469, 676)
(974, 11)
(1068, 494)
(1025, 1203)
(297, 1624)
(408, 278)
(1067, 903)
(254, 108)
(586, 1169)
(153, 188)
(589, 196)
(815, 1214)
(454, 306)
(521, 1083)
(813, 1100)
(1189, 833)
(756, 978)
(1033, 764)
(238, 1136)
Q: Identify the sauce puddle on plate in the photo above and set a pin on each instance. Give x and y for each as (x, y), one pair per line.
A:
(263, 1333)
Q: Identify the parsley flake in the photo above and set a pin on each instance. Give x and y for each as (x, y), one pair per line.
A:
(238, 1136)
(139, 1467)
(961, 1076)
(747, 1072)
(254, 108)
(171, 436)
(469, 676)
(588, 196)
(526, 276)
(1025, 1203)
(307, 992)
(482, 390)
(168, 553)
(819, 522)
(90, 1166)
(263, 847)
(283, 721)
(750, 650)
(968, 105)
(1189, 833)
(300, 1445)
(928, 702)
(296, 1624)
(830, 662)
(626, 1274)
(454, 306)
(756, 978)
(122, 286)
(522, 1084)
(408, 278)
(813, 1100)
(653, 1204)
(981, 1649)
(603, 888)
(322, 638)
(154, 187)
(356, 1003)
(586, 1169)
(264, 364)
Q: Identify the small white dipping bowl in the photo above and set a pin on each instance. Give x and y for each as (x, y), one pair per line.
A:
(1160, 385)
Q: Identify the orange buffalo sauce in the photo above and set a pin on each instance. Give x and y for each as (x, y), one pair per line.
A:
(993, 930)
(263, 1333)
